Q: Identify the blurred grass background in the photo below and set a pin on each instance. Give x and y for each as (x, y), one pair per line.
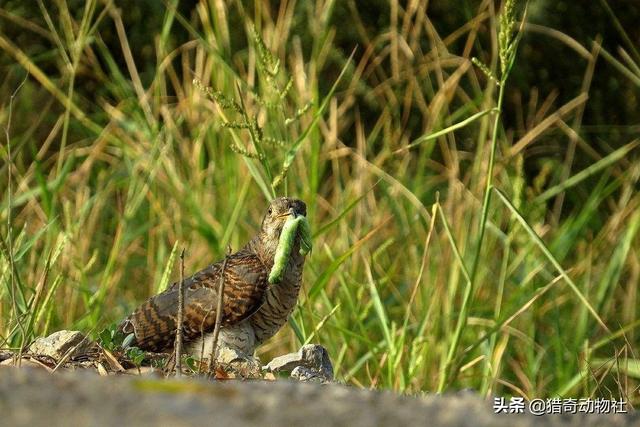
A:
(112, 160)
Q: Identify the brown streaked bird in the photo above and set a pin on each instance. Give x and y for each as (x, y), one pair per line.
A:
(253, 311)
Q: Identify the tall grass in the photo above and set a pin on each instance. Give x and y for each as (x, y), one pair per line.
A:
(439, 262)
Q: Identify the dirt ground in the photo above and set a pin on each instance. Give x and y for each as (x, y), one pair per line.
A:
(34, 397)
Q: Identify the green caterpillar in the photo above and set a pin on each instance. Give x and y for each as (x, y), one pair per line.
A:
(305, 235)
(285, 245)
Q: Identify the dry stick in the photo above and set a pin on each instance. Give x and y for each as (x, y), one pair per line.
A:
(178, 345)
(202, 341)
(216, 328)
(68, 354)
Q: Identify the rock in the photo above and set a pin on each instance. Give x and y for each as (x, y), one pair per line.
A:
(4, 355)
(239, 364)
(302, 373)
(59, 343)
(23, 363)
(310, 363)
(228, 355)
(141, 371)
(285, 363)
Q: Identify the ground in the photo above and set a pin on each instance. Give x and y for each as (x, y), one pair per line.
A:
(33, 397)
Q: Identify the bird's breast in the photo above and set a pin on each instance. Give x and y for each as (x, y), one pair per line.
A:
(279, 300)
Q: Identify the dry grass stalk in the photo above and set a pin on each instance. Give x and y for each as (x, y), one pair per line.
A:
(178, 346)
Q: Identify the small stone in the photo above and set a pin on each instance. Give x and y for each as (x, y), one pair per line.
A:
(59, 343)
(148, 371)
(238, 364)
(228, 355)
(301, 373)
(317, 358)
(310, 363)
(285, 363)
(4, 355)
(23, 363)
(102, 371)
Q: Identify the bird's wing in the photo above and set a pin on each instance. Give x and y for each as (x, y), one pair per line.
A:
(154, 322)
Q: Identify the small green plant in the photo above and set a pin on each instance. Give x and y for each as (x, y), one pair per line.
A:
(135, 356)
(110, 338)
(159, 363)
(191, 363)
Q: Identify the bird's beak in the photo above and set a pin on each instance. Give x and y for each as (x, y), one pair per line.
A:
(293, 212)
(289, 212)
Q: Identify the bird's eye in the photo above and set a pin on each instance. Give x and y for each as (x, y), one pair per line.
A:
(270, 211)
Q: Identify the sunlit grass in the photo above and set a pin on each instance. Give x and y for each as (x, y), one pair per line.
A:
(438, 263)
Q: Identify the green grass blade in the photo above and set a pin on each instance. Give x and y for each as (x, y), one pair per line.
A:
(291, 153)
(168, 268)
(464, 123)
(326, 275)
(543, 247)
(601, 164)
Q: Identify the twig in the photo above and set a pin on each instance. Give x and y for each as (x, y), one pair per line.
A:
(216, 328)
(178, 346)
(204, 319)
(169, 365)
(68, 354)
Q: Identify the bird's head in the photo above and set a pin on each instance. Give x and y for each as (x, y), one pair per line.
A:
(279, 211)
